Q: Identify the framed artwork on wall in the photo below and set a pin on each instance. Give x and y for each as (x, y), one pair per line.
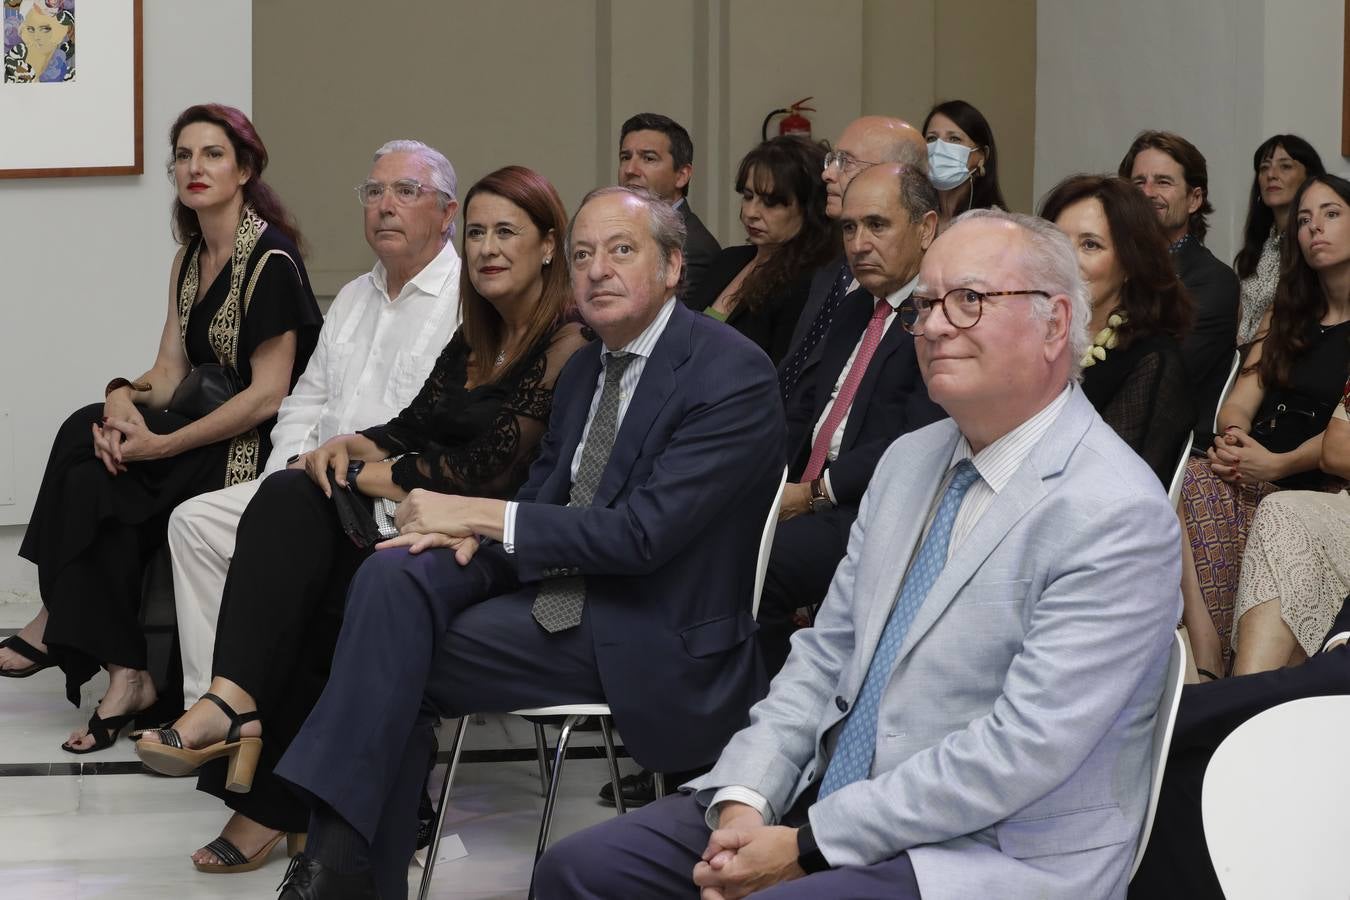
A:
(69, 112)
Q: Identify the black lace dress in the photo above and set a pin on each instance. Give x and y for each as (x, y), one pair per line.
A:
(1141, 391)
(282, 606)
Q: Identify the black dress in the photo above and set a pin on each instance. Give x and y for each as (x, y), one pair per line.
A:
(282, 606)
(1143, 393)
(91, 533)
(771, 325)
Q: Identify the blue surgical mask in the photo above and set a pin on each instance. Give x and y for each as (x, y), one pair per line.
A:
(948, 164)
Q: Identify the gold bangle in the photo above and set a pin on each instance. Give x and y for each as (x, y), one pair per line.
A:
(118, 383)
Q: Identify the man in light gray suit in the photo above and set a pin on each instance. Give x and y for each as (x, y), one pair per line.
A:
(971, 714)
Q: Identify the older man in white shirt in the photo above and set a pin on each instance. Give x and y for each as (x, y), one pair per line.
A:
(378, 344)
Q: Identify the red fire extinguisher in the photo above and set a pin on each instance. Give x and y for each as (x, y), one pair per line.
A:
(793, 121)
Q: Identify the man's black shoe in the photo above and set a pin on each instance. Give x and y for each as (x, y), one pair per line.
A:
(307, 880)
(640, 789)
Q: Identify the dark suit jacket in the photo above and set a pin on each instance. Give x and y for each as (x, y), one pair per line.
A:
(700, 248)
(822, 280)
(771, 325)
(1209, 347)
(669, 546)
(891, 400)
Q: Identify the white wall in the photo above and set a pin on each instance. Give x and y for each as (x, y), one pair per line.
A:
(85, 281)
(1226, 74)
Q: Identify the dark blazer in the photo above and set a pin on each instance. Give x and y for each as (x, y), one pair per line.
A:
(822, 280)
(771, 325)
(1209, 347)
(891, 400)
(700, 248)
(669, 545)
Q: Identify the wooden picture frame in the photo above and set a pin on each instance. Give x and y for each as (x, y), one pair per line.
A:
(62, 126)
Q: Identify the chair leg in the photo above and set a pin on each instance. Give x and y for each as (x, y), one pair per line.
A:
(658, 785)
(434, 847)
(543, 758)
(551, 798)
(606, 732)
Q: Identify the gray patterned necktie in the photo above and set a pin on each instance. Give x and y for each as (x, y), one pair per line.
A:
(558, 604)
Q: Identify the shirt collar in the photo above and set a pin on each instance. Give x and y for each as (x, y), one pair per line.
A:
(1177, 245)
(895, 298)
(430, 280)
(644, 343)
(678, 203)
(998, 462)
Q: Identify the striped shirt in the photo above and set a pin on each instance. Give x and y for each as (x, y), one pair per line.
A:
(641, 347)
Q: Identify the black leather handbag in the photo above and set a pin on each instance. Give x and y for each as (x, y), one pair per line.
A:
(204, 390)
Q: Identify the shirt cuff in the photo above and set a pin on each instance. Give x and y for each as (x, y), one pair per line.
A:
(1336, 639)
(738, 794)
(509, 526)
(829, 491)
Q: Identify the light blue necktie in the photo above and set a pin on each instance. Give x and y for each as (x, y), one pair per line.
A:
(852, 759)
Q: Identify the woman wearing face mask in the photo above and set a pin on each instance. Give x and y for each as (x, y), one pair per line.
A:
(1282, 163)
(1134, 373)
(962, 160)
(760, 287)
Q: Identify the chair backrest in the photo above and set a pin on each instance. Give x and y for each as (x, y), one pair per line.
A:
(1179, 475)
(1228, 386)
(766, 545)
(1274, 801)
(1163, 721)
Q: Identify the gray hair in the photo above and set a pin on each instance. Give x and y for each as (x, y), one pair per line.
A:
(1052, 266)
(663, 220)
(917, 194)
(442, 173)
(908, 154)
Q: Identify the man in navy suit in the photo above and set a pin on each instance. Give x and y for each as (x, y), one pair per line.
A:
(622, 572)
(865, 392)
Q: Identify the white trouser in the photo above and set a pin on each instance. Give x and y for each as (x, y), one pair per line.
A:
(201, 541)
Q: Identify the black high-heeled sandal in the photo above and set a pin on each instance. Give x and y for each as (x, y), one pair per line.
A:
(38, 659)
(104, 732)
(168, 756)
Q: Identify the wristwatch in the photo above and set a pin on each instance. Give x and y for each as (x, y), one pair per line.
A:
(809, 856)
(354, 468)
(820, 501)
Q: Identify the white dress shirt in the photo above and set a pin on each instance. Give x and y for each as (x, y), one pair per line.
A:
(374, 353)
(641, 347)
(996, 465)
(837, 439)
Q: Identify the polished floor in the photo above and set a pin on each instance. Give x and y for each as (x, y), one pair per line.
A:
(98, 828)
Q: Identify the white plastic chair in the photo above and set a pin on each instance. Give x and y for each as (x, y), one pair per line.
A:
(1274, 801)
(572, 715)
(1179, 476)
(1163, 723)
(1228, 386)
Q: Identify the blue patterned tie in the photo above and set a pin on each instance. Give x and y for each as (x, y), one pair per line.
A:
(852, 759)
(792, 369)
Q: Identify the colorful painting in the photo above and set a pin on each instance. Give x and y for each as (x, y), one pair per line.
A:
(39, 41)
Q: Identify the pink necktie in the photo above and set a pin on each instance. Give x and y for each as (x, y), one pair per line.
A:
(870, 341)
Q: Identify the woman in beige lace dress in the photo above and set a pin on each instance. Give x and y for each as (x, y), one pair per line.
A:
(1296, 569)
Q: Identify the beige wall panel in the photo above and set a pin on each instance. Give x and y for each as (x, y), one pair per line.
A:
(652, 60)
(898, 58)
(986, 54)
(780, 51)
(488, 84)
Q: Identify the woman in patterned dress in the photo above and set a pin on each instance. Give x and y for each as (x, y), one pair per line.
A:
(1271, 426)
(238, 298)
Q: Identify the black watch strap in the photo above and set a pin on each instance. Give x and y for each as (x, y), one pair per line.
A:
(354, 468)
(809, 856)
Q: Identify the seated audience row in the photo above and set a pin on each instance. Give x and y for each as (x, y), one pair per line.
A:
(505, 581)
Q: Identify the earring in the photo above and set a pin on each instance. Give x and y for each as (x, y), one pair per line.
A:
(548, 260)
(980, 171)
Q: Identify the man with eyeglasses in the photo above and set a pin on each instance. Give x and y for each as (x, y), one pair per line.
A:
(972, 714)
(866, 142)
(865, 393)
(377, 346)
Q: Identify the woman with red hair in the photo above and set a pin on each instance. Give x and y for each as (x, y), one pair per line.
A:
(240, 326)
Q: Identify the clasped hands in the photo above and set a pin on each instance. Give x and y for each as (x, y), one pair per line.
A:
(1238, 457)
(122, 437)
(744, 855)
